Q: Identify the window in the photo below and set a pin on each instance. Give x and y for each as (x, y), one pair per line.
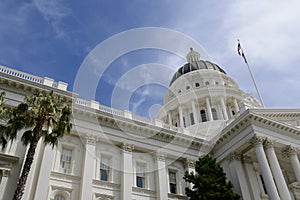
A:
(233, 113)
(203, 116)
(184, 123)
(59, 197)
(140, 175)
(206, 83)
(197, 84)
(65, 160)
(1, 175)
(179, 91)
(214, 114)
(172, 182)
(187, 87)
(217, 83)
(192, 119)
(104, 168)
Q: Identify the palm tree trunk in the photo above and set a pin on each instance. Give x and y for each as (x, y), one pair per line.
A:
(28, 162)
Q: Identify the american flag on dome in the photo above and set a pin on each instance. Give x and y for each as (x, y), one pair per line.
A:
(240, 51)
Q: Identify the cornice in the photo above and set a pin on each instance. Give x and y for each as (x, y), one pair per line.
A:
(249, 118)
(140, 128)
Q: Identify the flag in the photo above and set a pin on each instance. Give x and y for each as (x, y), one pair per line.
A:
(240, 51)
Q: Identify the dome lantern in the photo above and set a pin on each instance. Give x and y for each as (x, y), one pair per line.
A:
(193, 56)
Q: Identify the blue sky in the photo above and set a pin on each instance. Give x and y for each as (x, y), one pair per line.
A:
(53, 38)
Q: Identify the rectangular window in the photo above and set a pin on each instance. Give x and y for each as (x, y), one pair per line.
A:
(140, 175)
(65, 160)
(172, 182)
(104, 168)
(192, 119)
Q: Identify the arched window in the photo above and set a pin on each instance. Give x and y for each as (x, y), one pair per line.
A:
(214, 114)
(59, 197)
(203, 116)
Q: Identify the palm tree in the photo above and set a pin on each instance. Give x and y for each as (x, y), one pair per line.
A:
(42, 115)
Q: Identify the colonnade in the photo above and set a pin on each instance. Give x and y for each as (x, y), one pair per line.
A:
(269, 167)
(192, 108)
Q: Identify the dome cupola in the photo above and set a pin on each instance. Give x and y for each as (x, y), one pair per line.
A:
(201, 98)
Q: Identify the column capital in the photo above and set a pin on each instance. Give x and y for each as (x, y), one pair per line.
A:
(234, 156)
(161, 155)
(268, 143)
(127, 147)
(289, 150)
(247, 159)
(257, 141)
(91, 139)
(190, 163)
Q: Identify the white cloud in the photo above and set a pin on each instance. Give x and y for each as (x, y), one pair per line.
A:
(53, 11)
(268, 29)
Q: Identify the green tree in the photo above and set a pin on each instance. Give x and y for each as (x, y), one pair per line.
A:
(209, 182)
(42, 115)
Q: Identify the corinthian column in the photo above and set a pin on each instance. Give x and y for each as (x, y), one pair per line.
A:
(236, 165)
(208, 108)
(224, 108)
(276, 170)
(257, 143)
(291, 153)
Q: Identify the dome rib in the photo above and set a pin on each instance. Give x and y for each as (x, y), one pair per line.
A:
(193, 66)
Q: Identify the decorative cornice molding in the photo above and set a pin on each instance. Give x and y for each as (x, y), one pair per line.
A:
(127, 147)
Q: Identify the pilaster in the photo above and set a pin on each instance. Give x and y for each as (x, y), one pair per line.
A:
(127, 171)
(88, 168)
(161, 176)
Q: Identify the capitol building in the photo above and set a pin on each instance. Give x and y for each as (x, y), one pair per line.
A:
(113, 154)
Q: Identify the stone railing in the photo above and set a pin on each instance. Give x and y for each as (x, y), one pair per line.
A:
(129, 115)
(86, 103)
(45, 81)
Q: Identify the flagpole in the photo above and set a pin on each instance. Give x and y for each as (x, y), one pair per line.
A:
(250, 71)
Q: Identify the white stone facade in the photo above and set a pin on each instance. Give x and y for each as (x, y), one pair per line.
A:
(114, 154)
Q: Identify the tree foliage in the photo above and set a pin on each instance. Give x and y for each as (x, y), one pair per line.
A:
(209, 182)
(41, 115)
